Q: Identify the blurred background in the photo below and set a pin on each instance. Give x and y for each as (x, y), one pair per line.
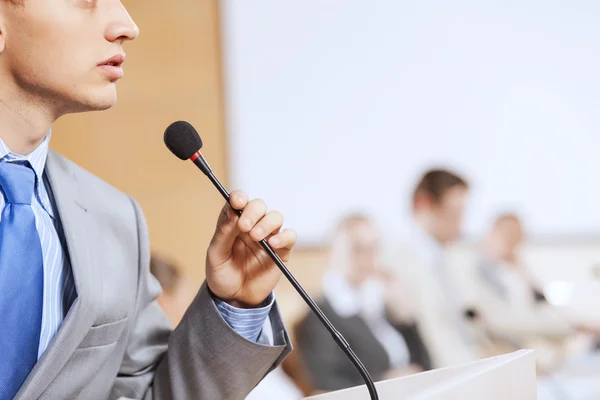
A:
(438, 160)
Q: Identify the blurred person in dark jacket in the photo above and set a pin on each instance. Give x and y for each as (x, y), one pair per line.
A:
(354, 299)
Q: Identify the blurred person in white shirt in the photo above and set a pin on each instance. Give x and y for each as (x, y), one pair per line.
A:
(425, 283)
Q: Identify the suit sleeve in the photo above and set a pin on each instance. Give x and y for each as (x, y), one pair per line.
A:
(203, 358)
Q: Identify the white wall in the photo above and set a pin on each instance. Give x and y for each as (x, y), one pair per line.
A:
(335, 105)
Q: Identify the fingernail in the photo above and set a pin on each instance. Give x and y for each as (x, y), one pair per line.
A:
(241, 199)
(259, 233)
(275, 242)
(247, 223)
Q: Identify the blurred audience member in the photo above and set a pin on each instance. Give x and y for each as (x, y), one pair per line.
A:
(513, 311)
(438, 206)
(176, 295)
(354, 301)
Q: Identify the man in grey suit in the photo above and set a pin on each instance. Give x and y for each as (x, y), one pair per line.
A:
(77, 302)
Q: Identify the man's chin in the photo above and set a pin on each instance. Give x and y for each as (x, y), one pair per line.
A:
(105, 100)
(95, 103)
(101, 106)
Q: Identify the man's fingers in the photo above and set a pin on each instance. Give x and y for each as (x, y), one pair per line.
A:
(283, 243)
(227, 223)
(254, 211)
(238, 199)
(225, 235)
(268, 225)
(284, 240)
(227, 228)
(256, 222)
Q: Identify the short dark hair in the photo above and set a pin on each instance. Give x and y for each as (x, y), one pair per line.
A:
(436, 182)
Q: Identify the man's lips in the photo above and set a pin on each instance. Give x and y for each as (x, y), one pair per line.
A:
(113, 66)
(114, 61)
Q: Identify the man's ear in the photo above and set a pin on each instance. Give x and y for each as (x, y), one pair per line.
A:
(422, 201)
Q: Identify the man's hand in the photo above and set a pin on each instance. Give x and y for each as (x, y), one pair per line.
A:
(238, 270)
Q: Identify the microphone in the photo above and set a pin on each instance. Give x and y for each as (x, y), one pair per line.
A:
(184, 141)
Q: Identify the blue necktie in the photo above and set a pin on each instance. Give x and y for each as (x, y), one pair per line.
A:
(21, 279)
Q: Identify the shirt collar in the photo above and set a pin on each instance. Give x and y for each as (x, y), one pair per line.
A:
(366, 301)
(37, 158)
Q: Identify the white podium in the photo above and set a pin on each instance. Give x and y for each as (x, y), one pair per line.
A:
(510, 376)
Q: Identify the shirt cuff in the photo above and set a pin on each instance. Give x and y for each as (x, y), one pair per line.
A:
(247, 322)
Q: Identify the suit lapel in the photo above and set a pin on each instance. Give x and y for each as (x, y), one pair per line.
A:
(77, 224)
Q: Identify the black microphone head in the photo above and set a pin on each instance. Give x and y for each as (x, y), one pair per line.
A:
(182, 139)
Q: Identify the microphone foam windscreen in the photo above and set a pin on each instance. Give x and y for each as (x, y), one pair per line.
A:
(182, 139)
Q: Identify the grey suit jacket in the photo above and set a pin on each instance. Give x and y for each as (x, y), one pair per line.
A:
(115, 342)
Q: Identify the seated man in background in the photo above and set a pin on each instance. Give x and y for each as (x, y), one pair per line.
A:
(515, 315)
(512, 310)
(438, 205)
(354, 300)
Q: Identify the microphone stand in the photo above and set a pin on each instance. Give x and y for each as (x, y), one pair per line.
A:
(201, 163)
